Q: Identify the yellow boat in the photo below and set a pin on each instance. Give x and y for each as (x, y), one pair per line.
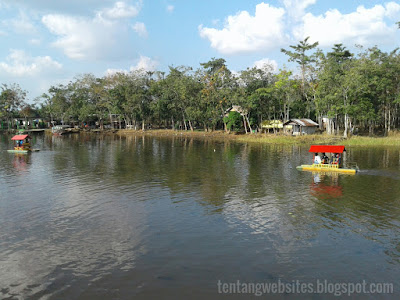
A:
(22, 144)
(326, 164)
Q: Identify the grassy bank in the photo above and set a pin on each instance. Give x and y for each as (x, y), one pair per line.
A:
(249, 138)
(372, 141)
(392, 140)
(289, 140)
(176, 133)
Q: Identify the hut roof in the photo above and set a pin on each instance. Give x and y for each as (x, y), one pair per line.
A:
(236, 108)
(301, 122)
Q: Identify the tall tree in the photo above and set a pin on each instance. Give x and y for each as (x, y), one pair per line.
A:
(335, 85)
(286, 90)
(300, 57)
(251, 83)
(218, 83)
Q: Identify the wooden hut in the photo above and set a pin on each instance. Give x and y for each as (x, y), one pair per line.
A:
(301, 126)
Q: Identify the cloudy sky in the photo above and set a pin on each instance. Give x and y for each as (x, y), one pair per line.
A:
(47, 42)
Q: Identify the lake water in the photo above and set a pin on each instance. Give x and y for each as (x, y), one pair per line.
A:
(92, 217)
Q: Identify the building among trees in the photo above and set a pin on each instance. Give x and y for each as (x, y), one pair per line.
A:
(301, 126)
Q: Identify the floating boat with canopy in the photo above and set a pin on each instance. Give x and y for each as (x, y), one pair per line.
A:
(326, 164)
(22, 144)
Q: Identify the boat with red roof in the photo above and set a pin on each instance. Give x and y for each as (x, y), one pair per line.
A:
(22, 144)
(325, 163)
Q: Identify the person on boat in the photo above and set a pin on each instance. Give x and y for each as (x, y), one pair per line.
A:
(325, 159)
(337, 158)
(317, 159)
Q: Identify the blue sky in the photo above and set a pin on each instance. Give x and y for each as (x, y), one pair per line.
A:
(47, 42)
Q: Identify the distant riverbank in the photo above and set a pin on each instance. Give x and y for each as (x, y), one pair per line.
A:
(392, 140)
(260, 138)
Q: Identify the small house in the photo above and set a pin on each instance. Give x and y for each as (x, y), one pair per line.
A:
(301, 126)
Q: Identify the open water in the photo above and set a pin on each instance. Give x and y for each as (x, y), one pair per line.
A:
(92, 217)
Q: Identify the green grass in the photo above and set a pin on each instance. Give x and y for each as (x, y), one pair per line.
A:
(289, 140)
(372, 141)
(391, 140)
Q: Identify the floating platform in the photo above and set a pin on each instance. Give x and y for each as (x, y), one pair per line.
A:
(19, 151)
(326, 168)
(23, 151)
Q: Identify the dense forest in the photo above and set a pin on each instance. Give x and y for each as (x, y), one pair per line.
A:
(354, 90)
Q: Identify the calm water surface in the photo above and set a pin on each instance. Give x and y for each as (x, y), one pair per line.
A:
(92, 217)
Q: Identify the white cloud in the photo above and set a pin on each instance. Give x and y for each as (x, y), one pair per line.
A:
(170, 8)
(121, 10)
(273, 27)
(266, 64)
(215, 22)
(93, 38)
(144, 64)
(296, 8)
(110, 72)
(140, 29)
(63, 7)
(245, 33)
(35, 42)
(78, 37)
(21, 24)
(392, 10)
(364, 26)
(19, 63)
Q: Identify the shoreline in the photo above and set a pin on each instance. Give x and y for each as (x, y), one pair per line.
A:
(263, 138)
(255, 138)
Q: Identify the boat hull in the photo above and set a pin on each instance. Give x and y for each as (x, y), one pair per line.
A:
(19, 151)
(23, 151)
(325, 168)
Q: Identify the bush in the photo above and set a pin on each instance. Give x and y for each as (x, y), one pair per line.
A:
(234, 121)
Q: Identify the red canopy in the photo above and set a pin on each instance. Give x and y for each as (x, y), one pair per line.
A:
(326, 148)
(20, 137)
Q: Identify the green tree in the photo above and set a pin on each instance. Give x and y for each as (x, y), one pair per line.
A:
(334, 86)
(305, 61)
(218, 85)
(253, 84)
(12, 98)
(286, 90)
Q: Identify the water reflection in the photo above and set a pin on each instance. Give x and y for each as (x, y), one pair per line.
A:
(326, 185)
(21, 162)
(135, 215)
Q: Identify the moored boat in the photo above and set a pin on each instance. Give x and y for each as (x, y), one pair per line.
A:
(326, 164)
(59, 130)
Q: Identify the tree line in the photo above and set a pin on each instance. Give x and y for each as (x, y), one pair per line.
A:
(348, 90)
